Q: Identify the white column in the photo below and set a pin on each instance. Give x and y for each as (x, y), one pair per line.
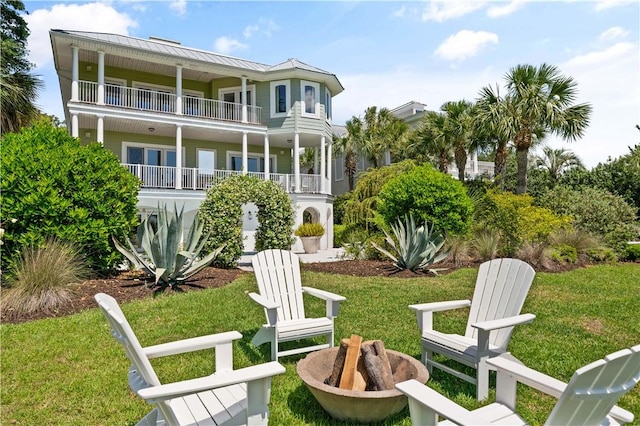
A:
(387, 158)
(179, 89)
(178, 157)
(266, 157)
(75, 75)
(245, 154)
(329, 149)
(74, 125)
(296, 162)
(244, 99)
(315, 160)
(323, 164)
(475, 163)
(100, 77)
(100, 130)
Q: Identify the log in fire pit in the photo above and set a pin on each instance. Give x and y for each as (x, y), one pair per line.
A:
(356, 380)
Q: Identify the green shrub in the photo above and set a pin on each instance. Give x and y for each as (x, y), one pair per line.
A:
(536, 254)
(310, 230)
(486, 243)
(564, 253)
(459, 249)
(577, 238)
(339, 234)
(518, 220)
(596, 211)
(221, 215)
(56, 187)
(339, 205)
(602, 255)
(632, 252)
(370, 252)
(42, 278)
(430, 196)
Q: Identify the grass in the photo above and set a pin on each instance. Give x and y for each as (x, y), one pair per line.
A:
(70, 371)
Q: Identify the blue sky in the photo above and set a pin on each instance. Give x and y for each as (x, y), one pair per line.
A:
(389, 53)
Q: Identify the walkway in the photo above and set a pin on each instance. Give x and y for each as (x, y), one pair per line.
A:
(330, 255)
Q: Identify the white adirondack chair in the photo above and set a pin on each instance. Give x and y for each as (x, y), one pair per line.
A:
(501, 287)
(588, 399)
(226, 397)
(280, 287)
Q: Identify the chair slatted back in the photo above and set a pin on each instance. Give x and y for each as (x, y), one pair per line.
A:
(278, 276)
(595, 388)
(501, 288)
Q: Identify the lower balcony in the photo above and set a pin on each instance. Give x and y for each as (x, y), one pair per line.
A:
(166, 177)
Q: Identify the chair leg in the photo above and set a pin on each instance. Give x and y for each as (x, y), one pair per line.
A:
(330, 339)
(274, 349)
(482, 380)
(427, 357)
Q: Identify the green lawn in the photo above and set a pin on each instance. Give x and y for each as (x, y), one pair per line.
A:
(70, 371)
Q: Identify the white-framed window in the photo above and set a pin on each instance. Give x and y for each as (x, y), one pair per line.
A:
(309, 93)
(154, 97)
(149, 154)
(280, 98)
(327, 103)
(206, 161)
(114, 90)
(234, 94)
(192, 102)
(255, 162)
(338, 167)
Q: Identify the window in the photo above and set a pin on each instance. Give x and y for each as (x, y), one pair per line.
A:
(338, 167)
(192, 102)
(255, 162)
(150, 155)
(114, 91)
(153, 97)
(327, 103)
(206, 161)
(280, 98)
(309, 94)
(232, 96)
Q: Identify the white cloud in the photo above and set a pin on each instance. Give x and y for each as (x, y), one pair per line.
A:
(599, 57)
(506, 9)
(608, 4)
(79, 17)
(179, 6)
(227, 45)
(441, 11)
(613, 33)
(265, 26)
(465, 44)
(400, 12)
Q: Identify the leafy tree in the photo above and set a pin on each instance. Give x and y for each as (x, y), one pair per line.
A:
(18, 85)
(349, 145)
(543, 99)
(557, 161)
(431, 138)
(459, 125)
(307, 160)
(53, 187)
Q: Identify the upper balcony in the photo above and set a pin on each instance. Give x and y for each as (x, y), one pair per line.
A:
(167, 103)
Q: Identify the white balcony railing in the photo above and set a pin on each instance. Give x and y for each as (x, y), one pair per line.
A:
(485, 168)
(164, 177)
(158, 101)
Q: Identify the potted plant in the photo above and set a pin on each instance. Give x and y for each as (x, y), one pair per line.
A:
(310, 234)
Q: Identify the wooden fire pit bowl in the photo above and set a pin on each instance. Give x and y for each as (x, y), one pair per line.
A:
(358, 406)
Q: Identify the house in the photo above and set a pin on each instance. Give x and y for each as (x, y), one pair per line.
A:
(181, 118)
(411, 113)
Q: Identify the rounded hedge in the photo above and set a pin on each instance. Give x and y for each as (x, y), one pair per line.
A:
(221, 214)
(54, 187)
(429, 195)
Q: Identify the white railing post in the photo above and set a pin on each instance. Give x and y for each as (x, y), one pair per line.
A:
(74, 73)
(195, 178)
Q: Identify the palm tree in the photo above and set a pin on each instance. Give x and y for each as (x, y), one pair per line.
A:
(459, 124)
(432, 138)
(17, 108)
(348, 145)
(557, 161)
(542, 100)
(308, 159)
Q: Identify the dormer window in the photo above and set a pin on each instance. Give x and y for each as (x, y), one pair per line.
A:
(280, 98)
(310, 97)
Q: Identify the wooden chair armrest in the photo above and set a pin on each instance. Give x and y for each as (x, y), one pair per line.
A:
(426, 404)
(322, 294)
(263, 301)
(190, 345)
(160, 393)
(424, 311)
(504, 322)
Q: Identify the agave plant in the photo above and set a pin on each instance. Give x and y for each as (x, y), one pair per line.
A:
(166, 256)
(416, 247)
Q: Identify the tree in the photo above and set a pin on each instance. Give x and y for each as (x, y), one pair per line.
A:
(459, 126)
(307, 160)
(349, 145)
(542, 99)
(557, 161)
(432, 138)
(18, 86)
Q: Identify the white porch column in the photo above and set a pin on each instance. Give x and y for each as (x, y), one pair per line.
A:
(296, 162)
(179, 89)
(178, 157)
(75, 75)
(315, 160)
(266, 157)
(100, 77)
(474, 161)
(244, 99)
(245, 154)
(323, 164)
(74, 125)
(100, 130)
(329, 149)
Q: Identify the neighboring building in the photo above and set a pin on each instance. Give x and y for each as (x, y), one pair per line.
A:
(411, 113)
(181, 118)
